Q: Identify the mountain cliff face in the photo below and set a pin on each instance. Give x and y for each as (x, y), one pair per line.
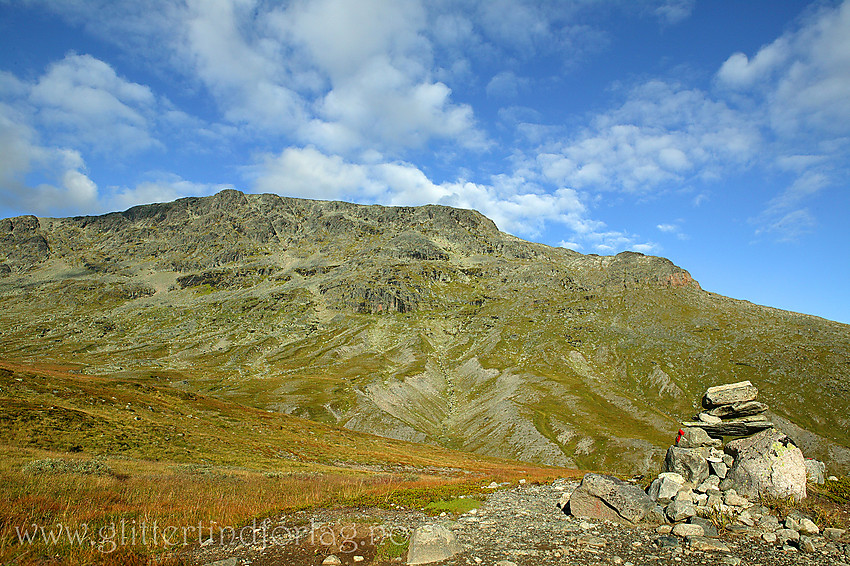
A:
(419, 323)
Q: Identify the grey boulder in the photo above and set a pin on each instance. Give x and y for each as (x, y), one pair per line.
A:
(608, 498)
(665, 486)
(432, 543)
(690, 463)
(696, 437)
(766, 464)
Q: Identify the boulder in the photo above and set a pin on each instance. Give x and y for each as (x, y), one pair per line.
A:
(729, 394)
(665, 486)
(743, 409)
(766, 464)
(432, 543)
(696, 437)
(815, 470)
(608, 498)
(690, 463)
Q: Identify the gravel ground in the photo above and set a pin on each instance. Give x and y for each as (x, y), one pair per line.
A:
(520, 526)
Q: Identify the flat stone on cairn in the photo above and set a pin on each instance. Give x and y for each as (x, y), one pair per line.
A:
(729, 394)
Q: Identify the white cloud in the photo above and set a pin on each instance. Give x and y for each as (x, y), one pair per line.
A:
(801, 82)
(62, 185)
(85, 102)
(661, 134)
(802, 78)
(309, 173)
(674, 11)
(505, 84)
(667, 227)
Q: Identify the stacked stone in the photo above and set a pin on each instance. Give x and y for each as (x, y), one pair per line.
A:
(702, 479)
(731, 410)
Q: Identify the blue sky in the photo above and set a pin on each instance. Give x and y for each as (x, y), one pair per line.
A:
(715, 133)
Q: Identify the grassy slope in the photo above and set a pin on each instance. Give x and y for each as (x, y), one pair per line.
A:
(179, 458)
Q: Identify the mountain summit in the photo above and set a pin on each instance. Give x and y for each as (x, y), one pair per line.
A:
(419, 323)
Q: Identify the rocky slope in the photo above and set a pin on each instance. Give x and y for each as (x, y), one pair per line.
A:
(418, 323)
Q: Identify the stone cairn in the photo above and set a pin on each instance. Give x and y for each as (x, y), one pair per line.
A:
(704, 481)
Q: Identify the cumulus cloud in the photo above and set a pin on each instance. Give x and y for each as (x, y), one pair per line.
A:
(85, 103)
(661, 134)
(61, 184)
(803, 76)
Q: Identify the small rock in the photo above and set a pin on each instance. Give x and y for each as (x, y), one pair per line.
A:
(680, 510)
(686, 495)
(807, 544)
(595, 542)
(731, 560)
(712, 482)
(815, 470)
(833, 534)
(688, 530)
(769, 537)
(735, 500)
(832, 478)
(666, 541)
(332, 560)
(358, 558)
(745, 518)
(707, 526)
(729, 394)
(714, 501)
(666, 529)
(665, 486)
(707, 544)
(719, 469)
(792, 522)
(505, 563)
(785, 535)
(768, 522)
(808, 527)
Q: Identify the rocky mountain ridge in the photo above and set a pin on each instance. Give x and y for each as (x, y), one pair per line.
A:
(419, 323)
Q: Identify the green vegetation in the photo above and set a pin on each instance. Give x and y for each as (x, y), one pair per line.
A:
(457, 506)
(392, 548)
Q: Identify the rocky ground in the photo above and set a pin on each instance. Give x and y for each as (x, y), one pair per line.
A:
(518, 526)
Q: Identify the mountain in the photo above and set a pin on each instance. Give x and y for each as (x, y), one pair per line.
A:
(425, 324)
